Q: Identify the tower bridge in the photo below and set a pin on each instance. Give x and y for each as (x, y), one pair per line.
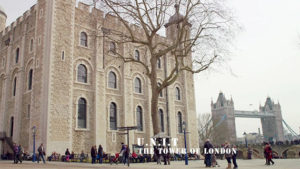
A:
(224, 114)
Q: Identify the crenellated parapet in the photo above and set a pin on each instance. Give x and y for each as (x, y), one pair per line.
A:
(20, 20)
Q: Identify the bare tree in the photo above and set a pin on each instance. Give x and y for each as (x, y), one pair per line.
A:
(200, 31)
(205, 127)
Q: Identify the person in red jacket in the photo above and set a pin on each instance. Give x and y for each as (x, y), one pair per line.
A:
(268, 154)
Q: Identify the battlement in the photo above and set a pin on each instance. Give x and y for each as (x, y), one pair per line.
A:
(110, 18)
(84, 7)
(19, 20)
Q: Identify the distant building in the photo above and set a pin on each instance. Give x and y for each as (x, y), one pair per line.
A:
(224, 113)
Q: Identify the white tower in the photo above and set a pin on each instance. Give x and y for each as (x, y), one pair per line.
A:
(2, 19)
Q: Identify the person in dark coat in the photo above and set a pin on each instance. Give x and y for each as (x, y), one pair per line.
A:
(123, 147)
(249, 153)
(208, 157)
(94, 154)
(41, 151)
(126, 153)
(234, 154)
(100, 153)
(20, 153)
(16, 152)
(157, 155)
(67, 154)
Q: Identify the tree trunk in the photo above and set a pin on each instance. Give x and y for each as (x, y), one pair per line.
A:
(154, 98)
(154, 113)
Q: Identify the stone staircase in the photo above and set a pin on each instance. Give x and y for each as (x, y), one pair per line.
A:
(8, 144)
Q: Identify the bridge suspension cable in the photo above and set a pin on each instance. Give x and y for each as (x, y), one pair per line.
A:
(210, 120)
(290, 129)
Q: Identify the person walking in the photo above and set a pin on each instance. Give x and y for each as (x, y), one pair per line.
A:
(265, 153)
(208, 157)
(20, 153)
(126, 154)
(93, 154)
(41, 151)
(157, 155)
(228, 156)
(269, 154)
(122, 152)
(16, 152)
(234, 154)
(100, 153)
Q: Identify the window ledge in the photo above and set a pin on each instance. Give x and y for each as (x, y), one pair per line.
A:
(113, 89)
(85, 47)
(82, 129)
(112, 131)
(81, 83)
(140, 94)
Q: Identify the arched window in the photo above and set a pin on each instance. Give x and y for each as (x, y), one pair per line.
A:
(30, 74)
(113, 116)
(179, 118)
(177, 92)
(112, 80)
(17, 55)
(31, 45)
(82, 73)
(139, 118)
(81, 119)
(137, 85)
(15, 86)
(160, 93)
(162, 124)
(83, 39)
(113, 47)
(137, 55)
(158, 63)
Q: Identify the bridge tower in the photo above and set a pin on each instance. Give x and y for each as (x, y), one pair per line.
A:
(272, 126)
(223, 120)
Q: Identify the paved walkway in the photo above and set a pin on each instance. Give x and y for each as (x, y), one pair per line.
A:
(243, 164)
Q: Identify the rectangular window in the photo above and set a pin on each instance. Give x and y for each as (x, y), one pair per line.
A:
(28, 111)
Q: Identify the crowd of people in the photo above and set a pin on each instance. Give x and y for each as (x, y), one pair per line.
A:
(97, 155)
(19, 154)
(210, 159)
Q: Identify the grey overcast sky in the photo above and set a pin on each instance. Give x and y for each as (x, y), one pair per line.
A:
(266, 60)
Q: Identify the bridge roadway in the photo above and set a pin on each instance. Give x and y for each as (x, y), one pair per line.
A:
(252, 114)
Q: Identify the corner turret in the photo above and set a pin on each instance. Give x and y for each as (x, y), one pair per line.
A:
(3, 18)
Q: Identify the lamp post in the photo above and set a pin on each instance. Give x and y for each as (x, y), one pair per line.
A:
(33, 134)
(184, 132)
(246, 141)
